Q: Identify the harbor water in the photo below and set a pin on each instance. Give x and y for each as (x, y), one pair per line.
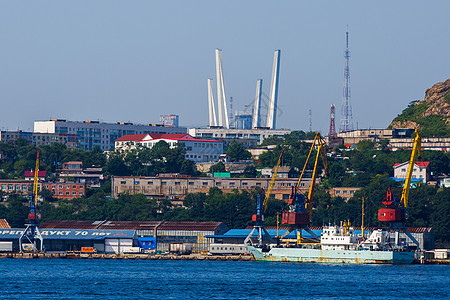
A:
(143, 279)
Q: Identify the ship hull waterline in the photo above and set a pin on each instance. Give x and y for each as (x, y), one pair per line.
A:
(332, 256)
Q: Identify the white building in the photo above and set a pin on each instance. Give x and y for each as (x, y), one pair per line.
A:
(242, 134)
(87, 134)
(196, 150)
(420, 171)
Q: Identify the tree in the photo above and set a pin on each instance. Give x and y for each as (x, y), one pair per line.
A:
(237, 152)
(219, 167)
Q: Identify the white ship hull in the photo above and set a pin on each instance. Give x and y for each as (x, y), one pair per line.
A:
(332, 256)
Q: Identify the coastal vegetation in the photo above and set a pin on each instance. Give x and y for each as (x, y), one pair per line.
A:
(368, 166)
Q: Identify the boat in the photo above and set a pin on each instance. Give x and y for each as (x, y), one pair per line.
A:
(339, 244)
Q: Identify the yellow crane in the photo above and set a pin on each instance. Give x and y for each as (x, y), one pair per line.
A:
(395, 210)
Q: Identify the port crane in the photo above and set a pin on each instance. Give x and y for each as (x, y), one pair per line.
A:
(261, 207)
(298, 216)
(31, 238)
(394, 211)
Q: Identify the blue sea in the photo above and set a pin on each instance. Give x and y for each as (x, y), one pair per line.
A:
(147, 279)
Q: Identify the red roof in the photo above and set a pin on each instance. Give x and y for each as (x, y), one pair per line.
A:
(189, 140)
(131, 137)
(31, 173)
(4, 223)
(170, 136)
(421, 164)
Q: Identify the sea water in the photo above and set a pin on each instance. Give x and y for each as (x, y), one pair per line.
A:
(167, 279)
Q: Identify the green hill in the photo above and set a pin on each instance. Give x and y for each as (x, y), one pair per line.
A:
(431, 115)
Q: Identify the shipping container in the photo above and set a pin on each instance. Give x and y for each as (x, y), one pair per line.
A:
(228, 249)
(131, 250)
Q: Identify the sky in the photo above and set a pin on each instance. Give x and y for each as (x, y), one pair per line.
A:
(132, 61)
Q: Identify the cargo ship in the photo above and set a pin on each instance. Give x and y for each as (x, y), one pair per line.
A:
(339, 244)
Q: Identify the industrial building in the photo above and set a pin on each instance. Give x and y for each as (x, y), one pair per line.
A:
(176, 187)
(218, 133)
(116, 236)
(88, 134)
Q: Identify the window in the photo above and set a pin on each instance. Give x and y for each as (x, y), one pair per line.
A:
(74, 193)
(67, 186)
(25, 187)
(60, 193)
(150, 182)
(17, 187)
(344, 192)
(285, 196)
(67, 193)
(191, 183)
(282, 184)
(10, 187)
(205, 183)
(3, 187)
(338, 192)
(163, 182)
(218, 183)
(60, 186)
(231, 183)
(177, 183)
(352, 192)
(258, 184)
(403, 170)
(74, 186)
(244, 183)
(81, 193)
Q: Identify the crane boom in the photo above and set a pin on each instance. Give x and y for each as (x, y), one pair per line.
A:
(272, 182)
(406, 187)
(36, 180)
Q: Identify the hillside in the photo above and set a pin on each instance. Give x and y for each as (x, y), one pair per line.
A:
(431, 115)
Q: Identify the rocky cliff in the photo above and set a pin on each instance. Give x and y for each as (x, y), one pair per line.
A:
(433, 111)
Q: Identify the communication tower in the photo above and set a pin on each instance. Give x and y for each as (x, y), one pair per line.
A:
(346, 110)
(332, 132)
(310, 120)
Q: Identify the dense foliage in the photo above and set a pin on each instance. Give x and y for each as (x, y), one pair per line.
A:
(430, 126)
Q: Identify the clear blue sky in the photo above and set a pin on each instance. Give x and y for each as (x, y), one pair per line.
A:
(134, 60)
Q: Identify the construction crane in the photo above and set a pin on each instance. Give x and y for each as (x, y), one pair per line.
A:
(395, 211)
(300, 207)
(29, 238)
(261, 207)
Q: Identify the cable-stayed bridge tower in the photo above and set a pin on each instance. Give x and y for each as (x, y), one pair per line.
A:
(346, 109)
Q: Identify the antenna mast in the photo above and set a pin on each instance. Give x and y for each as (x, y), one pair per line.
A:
(346, 111)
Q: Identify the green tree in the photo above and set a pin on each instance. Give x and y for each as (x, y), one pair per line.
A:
(237, 152)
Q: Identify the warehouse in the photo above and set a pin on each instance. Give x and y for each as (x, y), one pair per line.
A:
(117, 236)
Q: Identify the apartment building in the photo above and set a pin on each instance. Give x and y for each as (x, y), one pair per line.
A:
(88, 134)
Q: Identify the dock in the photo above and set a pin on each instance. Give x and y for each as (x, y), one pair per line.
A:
(140, 256)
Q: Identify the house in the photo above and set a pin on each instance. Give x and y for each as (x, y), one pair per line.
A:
(29, 175)
(420, 171)
(74, 171)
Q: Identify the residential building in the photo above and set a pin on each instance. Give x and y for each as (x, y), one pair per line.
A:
(36, 138)
(169, 120)
(60, 190)
(344, 192)
(74, 171)
(197, 150)
(88, 134)
(420, 171)
(29, 175)
(175, 187)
